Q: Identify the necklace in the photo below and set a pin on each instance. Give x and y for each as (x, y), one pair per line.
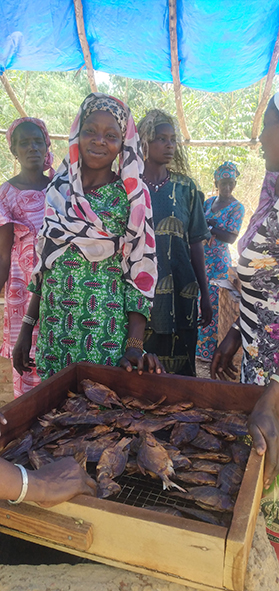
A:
(156, 186)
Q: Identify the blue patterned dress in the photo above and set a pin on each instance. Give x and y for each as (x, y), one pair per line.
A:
(217, 262)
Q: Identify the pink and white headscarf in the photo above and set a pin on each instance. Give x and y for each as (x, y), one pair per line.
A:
(70, 219)
(48, 161)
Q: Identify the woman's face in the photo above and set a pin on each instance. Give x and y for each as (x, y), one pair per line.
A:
(225, 187)
(161, 149)
(29, 146)
(100, 140)
(270, 140)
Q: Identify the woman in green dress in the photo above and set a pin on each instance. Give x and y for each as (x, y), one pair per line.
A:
(180, 228)
(94, 283)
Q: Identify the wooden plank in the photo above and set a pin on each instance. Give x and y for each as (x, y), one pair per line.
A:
(42, 523)
(22, 412)
(161, 543)
(242, 528)
(204, 393)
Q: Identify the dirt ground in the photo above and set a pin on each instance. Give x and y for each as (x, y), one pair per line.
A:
(262, 572)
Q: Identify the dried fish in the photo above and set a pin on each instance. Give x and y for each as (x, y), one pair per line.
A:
(17, 447)
(199, 478)
(206, 441)
(220, 429)
(164, 509)
(100, 394)
(206, 466)
(230, 477)
(153, 458)
(139, 404)
(111, 464)
(173, 408)
(184, 433)
(194, 454)
(39, 458)
(208, 497)
(149, 424)
(191, 416)
(240, 452)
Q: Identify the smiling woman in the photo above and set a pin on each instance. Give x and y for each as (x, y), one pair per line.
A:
(22, 201)
(94, 283)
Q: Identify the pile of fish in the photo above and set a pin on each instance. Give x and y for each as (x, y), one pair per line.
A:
(199, 454)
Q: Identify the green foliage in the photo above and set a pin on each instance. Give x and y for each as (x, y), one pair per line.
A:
(55, 97)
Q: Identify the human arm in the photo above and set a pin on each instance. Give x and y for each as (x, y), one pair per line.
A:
(222, 235)
(21, 360)
(263, 426)
(6, 243)
(198, 264)
(222, 362)
(133, 355)
(48, 486)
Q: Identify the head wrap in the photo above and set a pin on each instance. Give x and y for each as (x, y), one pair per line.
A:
(225, 171)
(69, 218)
(48, 161)
(276, 100)
(147, 132)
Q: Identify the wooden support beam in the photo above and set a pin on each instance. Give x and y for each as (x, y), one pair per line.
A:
(267, 90)
(191, 143)
(84, 44)
(175, 68)
(12, 95)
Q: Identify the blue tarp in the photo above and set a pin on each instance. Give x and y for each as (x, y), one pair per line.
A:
(222, 44)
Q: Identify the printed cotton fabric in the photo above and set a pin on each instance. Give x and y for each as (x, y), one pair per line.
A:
(69, 218)
(217, 262)
(84, 305)
(25, 209)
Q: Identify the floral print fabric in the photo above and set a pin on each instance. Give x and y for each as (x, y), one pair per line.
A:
(217, 262)
(25, 210)
(258, 270)
(84, 305)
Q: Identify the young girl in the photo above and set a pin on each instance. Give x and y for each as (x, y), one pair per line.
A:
(22, 201)
(96, 275)
(180, 228)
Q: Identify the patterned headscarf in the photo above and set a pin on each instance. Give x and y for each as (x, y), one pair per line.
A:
(48, 161)
(225, 171)
(147, 132)
(69, 218)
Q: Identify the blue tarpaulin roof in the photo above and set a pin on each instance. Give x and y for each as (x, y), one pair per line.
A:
(222, 44)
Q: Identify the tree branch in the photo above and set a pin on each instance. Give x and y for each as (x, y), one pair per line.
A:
(267, 89)
(12, 95)
(84, 44)
(175, 68)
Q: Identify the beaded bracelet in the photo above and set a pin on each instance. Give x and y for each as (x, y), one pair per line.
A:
(274, 377)
(136, 343)
(29, 320)
(24, 488)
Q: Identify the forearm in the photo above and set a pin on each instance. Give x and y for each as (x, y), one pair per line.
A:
(223, 235)
(137, 323)
(198, 264)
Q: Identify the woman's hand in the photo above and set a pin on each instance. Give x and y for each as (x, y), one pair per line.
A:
(58, 482)
(3, 421)
(222, 365)
(206, 311)
(21, 360)
(263, 426)
(134, 358)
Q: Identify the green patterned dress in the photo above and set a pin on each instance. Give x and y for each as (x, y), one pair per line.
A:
(84, 306)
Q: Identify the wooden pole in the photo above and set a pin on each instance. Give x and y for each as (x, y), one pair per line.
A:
(175, 68)
(191, 143)
(12, 95)
(84, 44)
(267, 90)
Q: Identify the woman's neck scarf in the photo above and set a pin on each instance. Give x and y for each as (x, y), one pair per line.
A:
(70, 219)
(48, 161)
(266, 202)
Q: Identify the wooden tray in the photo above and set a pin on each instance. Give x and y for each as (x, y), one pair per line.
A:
(180, 550)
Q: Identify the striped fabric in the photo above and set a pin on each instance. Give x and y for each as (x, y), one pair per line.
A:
(258, 270)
